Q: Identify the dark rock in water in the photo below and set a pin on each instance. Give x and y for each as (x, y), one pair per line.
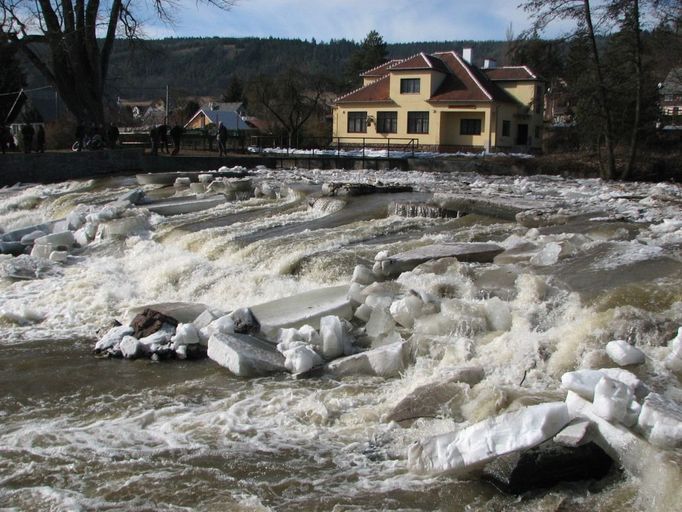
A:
(428, 401)
(361, 189)
(245, 322)
(547, 465)
(150, 321)
(13, 248)
(196, 351)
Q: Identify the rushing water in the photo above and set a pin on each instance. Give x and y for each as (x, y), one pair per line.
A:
(80, 433)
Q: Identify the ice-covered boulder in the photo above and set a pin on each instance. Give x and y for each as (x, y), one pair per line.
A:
(335, 339)
(674, 359)
(614, 401)
(244, 321)
(624, 354)
(149, 321)
(244, 355)
(386, 361)
(468, 449)
(113, 337)
(185, 334)
(583, 382)
(660, 420)
(304, 308)
(405, 310)
(469, 252)
(131, 348)
(363, 275)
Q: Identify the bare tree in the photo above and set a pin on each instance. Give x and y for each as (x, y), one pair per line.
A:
(288, 100)
(79, 36)
(544, 12)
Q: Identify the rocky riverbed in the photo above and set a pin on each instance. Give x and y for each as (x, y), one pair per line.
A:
(298, 340)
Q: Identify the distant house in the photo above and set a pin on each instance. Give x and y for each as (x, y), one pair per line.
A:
(232, 115)
(143, 112)
(671, 97)
(37, 107)
(443, 102)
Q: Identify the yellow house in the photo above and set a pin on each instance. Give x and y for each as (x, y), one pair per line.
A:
(442, 102)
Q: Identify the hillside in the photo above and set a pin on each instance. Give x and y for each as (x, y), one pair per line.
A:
(205, 66)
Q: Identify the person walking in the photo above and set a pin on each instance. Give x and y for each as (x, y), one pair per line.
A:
(27, 133)
(222, 139)
(40, 139)
(176, 135)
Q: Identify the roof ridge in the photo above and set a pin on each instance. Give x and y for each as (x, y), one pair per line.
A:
(466, 65)
(380, 65)
(360, 88)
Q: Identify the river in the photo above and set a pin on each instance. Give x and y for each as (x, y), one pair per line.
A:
(82, 433)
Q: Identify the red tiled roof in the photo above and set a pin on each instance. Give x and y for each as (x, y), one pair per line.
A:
(462, 83)
(378, 91)
(381, 70)
(515, 73)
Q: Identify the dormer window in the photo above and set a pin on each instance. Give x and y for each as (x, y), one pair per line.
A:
(409, 86)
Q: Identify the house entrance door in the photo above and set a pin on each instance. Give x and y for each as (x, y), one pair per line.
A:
(522, 135)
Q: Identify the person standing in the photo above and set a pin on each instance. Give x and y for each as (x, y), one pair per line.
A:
(154, 139)
(5, 137)
(40, 139)
(112, 135)
(27, 133)
(80, 136)
(163, 137)
(222, 139)
(176, 135)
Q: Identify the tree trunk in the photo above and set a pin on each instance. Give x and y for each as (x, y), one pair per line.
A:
(610, 171)
(634, 137)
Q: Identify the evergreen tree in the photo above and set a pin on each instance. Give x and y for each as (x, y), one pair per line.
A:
(372, 53)
(235, 90)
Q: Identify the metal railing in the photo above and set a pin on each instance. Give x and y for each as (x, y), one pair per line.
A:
(319, 146)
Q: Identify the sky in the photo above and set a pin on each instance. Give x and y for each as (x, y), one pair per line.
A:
(396, 20)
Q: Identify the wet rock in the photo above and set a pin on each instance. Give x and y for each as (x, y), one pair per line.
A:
(13, 248)
(427, 401)
(305, 308)
(547, 465)
(150, 321)
(633, 453)
(467, 252)
(387, 361)
(624, 354)
(30, 238)
(661, 421)
(184, 312)
(244, 321)
(244, 355)
(470, 448)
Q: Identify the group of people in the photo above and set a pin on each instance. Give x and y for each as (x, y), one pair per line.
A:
(32, 139)
(96, 137)
(158, 137)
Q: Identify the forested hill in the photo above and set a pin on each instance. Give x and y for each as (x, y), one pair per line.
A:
(205, 66)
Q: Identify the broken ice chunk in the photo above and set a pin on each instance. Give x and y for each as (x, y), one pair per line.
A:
(612, 399)
(624, 354)
(113, 337)
(469, 448)
(674, 359)
(406, 310)
(661, 421)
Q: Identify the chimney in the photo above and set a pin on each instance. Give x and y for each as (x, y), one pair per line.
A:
(468, 55)
(489, 64)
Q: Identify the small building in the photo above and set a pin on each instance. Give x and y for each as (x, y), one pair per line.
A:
(670, 91)
(141, 113)
(232, 115)
(443, 102)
